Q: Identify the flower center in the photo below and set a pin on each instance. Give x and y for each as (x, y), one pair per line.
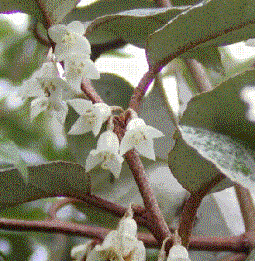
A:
(138, 137)
(48, 88)
(90, 116)
(107, 157)
(69, 39)
(77, 67)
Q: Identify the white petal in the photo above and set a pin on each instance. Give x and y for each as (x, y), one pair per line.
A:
(74, 82)
(108, 242)
(178, 252)
(102, 109)
(151, 132)
(126, 143)
(92, 160)
(48, 70)
(97, 126)
(90, 71)
(115, 165)
(135, 123)
(57, 32)
(81, 105)
(37, 106)
(62, 112)
(95, 256)
(31, 88)
(145, 148)
(80, 127)
(109, 141)
(139, 253)
(80, 251)
(76, 27)
(63, 50)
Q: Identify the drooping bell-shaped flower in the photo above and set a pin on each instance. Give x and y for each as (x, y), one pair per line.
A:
(178, 253)
(106, 154)
(92, 116)
(69, 39)
(121, 244)
(78, 66)
(139, 136)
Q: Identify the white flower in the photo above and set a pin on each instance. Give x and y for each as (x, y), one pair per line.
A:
(69, 38)
(248, 95)
(79, 252)
(78, 66)
(120, 245)
(139, 136)
(52, 105)
(106, 154)
(91, 116)
(178, 253)
(43, 82)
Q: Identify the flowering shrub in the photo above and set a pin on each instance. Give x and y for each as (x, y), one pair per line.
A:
(136, 174)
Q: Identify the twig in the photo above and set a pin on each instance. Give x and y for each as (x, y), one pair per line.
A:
(190, 209)
(90, 91)
(58, 204)
(141, 89)
(247, 207)
(147, 193)
(199, 75)
(235, 257)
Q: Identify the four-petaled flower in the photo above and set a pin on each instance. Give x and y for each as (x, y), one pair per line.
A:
(120, 245)
(106, 154)
(78, 66)
(69, 39)
(92, 116)
(139, 136)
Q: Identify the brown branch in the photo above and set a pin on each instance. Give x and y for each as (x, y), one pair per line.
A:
(163, 3)
(247, 207)
(48, 22)
(59, 204)
(39, 38)
(141, 89)
(90, 91)
(235, 243)
(190, 209)
(148, 196)
(54, 226)
(235, 257)
(199, 75)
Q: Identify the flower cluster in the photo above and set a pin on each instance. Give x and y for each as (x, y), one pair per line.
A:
(46, 86)
(121, 244)
(74, 50)
(50, 90)
(109, 153)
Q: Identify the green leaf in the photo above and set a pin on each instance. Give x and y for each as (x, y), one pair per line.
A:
(114, 90)
(6, 29)
(156, 112)
(208, 56)
(193, 161)
(131, 26)
(102, 7)
(53, 10)
(215, 23)
(45, 180)
(223, 111)
(21, 54)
